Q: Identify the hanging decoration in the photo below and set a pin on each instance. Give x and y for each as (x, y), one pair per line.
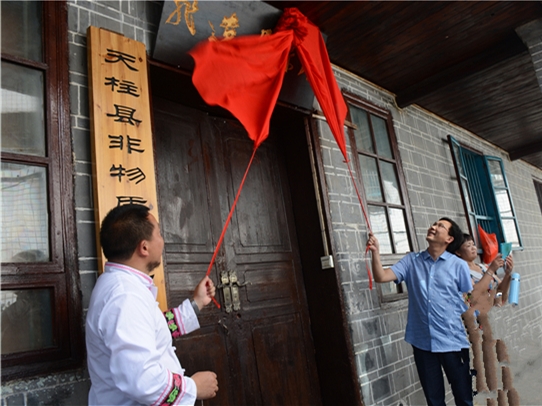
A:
(244, 75)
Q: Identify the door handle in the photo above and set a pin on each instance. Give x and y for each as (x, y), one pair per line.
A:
(235, 285)
(226, 290)
(229, 283)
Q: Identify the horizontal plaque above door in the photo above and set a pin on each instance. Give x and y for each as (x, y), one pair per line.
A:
(185, 23)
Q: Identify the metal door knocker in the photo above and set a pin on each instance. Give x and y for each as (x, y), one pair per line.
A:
(229, 283)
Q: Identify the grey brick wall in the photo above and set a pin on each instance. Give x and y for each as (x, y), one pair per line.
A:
(386, 368)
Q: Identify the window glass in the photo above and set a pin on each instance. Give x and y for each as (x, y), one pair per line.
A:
(389, 180)
(362, 134)
(388, 288)
(380, 227)
(23, 122)
(495, 170)
(503, 202)
(25, 222)
(26, 320)
(399, 229)
(382, 138)
(510, 232)
(371, 179)
(21, 29)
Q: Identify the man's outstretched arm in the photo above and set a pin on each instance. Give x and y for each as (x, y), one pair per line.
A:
(380, 273)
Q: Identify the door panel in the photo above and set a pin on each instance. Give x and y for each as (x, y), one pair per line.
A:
(203, 350)
(276, 367)
(183, 174)
(261, 350)
(274, 282)
(260, 223)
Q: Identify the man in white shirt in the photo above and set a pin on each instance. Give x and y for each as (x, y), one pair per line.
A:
(131, 358)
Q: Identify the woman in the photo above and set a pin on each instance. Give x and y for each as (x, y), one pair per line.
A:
(484, 277)
(488, 291)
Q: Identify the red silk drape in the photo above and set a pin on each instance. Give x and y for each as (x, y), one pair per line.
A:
(244, 75)
(312, 53)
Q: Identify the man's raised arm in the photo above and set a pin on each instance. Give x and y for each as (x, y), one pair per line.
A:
(380, 273)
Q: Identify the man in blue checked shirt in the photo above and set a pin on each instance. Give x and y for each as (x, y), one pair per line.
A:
(436, 279)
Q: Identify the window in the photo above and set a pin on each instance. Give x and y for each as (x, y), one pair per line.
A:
(486, 194)
(384, 190)
(41, 313)
(538, 189)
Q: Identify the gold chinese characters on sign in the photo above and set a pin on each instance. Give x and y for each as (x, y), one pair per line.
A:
(189, 10)
(228, 23)
(121, 133)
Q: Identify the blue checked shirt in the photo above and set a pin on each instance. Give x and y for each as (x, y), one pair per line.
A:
(435, 300)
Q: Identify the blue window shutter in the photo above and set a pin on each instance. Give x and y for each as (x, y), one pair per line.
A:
(463, 183)
(483, 201)
(486, 194)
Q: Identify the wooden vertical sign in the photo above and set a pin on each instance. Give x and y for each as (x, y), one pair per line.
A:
(122, 145)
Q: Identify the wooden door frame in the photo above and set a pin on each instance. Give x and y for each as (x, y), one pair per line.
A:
(335, 360)
(336, 365)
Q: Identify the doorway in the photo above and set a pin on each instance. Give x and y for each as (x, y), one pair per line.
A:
(285, 340)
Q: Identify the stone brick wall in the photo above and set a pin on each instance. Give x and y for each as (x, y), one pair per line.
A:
(385, 365)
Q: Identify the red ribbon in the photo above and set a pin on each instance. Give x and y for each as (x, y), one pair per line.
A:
(219, 243)
(368, 226)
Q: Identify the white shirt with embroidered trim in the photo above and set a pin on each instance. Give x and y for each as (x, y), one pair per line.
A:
(130, 353)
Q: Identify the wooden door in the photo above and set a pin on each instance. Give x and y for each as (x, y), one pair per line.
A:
(260, 348)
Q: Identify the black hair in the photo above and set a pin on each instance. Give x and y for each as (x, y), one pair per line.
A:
(123, 228)
(456, 232)
(467, 237)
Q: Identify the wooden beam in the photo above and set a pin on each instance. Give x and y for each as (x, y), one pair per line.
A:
(512, 46)
(525, 150)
